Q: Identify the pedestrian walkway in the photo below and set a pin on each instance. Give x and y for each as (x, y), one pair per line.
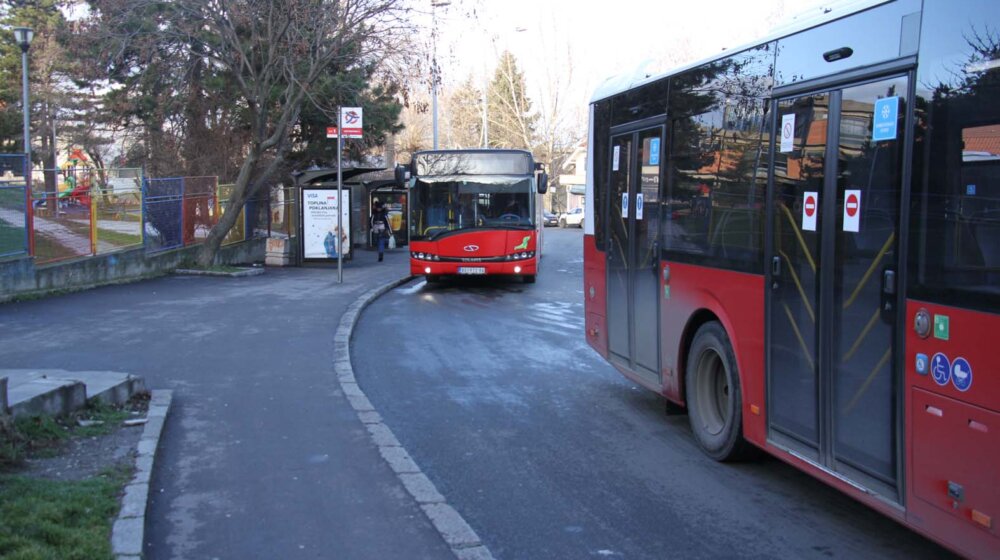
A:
(262, 455)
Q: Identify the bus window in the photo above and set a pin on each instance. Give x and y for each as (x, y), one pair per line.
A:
(955, 207)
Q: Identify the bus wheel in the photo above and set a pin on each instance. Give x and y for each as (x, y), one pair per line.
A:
(713, 395)
(529, 278)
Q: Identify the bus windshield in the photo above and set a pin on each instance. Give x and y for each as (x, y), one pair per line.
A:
(439, 205)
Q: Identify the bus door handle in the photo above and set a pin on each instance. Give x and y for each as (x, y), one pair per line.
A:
(775, 271)
(655, 250)
(888, 290)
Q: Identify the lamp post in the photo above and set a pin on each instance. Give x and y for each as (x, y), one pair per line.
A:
(434, 67)
(23, 36)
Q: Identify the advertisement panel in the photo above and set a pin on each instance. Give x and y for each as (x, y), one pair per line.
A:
(320, 236)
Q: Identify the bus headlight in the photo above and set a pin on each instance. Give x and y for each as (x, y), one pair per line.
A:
(517, 270)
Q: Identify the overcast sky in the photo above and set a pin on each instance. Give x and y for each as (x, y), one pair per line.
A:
(597, 40)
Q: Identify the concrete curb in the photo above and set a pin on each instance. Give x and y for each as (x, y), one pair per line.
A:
(128, 532)
(463, 540)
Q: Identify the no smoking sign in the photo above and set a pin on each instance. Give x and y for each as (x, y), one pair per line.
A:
(787, 132)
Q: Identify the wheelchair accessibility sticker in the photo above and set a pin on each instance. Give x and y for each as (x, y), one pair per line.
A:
(941, 369)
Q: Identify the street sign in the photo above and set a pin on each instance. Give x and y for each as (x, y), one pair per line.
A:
(810, 208)
(331, 132)
(852, 210)
(351, 121)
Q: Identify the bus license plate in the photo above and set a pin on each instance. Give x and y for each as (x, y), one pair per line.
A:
(472, 270)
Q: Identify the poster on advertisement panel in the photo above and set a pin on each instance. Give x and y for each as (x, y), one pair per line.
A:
(321, 238)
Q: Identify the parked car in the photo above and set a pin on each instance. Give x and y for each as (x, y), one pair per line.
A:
(549, 219)
(572, 218)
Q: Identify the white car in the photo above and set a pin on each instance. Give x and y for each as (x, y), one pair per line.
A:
(572, 218)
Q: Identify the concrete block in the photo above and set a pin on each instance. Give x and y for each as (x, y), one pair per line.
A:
(40, 395)
(352, 390)
(382, 435)
(360, 404)
(370, 417)
(456, 532)
(421, 488)
(399, 460)
(134, 501)
(147, 447)
(473, 553)
(127, 536)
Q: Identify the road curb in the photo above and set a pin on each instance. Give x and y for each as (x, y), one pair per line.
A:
(128, 532)
(449, 523)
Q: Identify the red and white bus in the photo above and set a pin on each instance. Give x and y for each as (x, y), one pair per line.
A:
(474, 212)
(799, 242)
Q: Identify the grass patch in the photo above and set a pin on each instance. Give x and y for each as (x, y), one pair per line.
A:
(52, 519)
(48, 249)
(117, 238)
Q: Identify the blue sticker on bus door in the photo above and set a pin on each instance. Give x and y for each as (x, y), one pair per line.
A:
(886, 115)
(624, 205)
(654, 151)
(638, 206)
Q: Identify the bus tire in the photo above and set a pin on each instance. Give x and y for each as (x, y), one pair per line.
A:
(714, 401)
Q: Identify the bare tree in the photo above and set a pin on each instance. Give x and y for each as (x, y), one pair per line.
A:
(416, 133)
(273, 52)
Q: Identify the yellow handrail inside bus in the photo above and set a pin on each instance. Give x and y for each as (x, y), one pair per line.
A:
(871, 269)
(868, 381)
(798, 234)
(798, 334)
(864, 332)
(798, 284)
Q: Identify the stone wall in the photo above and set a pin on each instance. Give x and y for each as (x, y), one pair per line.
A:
(22, 277)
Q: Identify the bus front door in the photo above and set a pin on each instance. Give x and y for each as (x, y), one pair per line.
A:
(836, 180)
(633, 251)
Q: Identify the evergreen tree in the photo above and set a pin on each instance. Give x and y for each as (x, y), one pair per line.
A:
(512, 121)
(464, 116)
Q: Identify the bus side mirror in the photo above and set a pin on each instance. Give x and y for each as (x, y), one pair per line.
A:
(402, 174)
(543, 182)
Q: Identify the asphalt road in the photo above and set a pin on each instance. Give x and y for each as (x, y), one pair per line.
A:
(262, 456)
(549, 453)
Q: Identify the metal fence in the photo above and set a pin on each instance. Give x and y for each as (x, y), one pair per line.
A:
(14, 220)
(75, 212)
(117, 210)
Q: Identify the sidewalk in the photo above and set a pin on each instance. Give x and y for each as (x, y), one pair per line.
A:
(262, 455)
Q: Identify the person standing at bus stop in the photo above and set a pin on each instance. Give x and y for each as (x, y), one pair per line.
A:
(380, 226)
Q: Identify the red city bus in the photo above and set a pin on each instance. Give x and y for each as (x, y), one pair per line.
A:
(799, 242)
(474, 212)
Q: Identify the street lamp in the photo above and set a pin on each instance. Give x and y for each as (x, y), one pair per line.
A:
(434, 66)
(23, 36)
